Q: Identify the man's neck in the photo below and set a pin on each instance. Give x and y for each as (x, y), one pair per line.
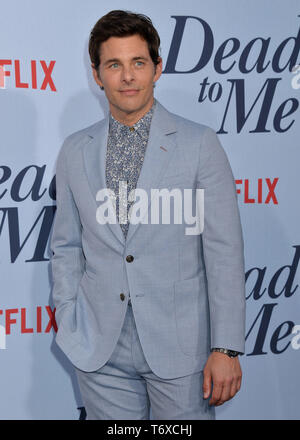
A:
(131, 118)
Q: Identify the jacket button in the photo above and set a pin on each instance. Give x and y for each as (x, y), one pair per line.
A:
(129, 258)
(122, 296)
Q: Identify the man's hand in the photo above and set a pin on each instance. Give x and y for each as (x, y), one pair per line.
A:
(225, 374)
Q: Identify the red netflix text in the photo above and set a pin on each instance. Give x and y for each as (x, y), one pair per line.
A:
(261, 191)
(42, 319)
(26, 76)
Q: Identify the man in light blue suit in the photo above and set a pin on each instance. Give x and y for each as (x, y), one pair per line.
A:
(151, 317)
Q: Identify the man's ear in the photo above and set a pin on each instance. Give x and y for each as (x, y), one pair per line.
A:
(158, 70)
(96, 76)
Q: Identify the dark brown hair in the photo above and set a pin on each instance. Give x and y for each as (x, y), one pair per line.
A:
(120, 23)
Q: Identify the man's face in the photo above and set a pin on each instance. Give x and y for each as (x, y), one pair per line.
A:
(127, 73)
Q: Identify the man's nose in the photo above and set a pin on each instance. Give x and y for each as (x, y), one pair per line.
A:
(127, 73)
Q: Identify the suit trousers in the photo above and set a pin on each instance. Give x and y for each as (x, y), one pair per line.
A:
(125, 388)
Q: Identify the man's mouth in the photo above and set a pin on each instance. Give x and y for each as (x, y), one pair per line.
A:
(129, 92)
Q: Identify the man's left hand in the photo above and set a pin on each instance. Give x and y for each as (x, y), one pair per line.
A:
(224, 375)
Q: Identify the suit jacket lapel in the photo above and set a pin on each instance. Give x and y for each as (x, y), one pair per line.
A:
(94, 158)
(161, 133)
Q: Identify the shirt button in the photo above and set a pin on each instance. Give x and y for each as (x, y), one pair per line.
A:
(129, 258)
(131, 128)
(122, 296)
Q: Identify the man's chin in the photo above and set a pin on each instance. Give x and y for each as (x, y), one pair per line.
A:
(130, 107)
(130, 104)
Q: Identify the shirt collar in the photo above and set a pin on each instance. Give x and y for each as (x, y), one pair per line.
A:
(142, 126)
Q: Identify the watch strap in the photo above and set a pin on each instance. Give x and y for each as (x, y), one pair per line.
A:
(230, 353)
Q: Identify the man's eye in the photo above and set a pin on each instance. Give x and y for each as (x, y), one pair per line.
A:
(114, 64)
(140, 62)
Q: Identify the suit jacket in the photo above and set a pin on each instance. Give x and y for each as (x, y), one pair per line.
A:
(187, 291)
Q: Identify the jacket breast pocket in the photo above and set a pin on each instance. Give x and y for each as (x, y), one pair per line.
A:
(192, 315)
(179, 180)
(180, 183)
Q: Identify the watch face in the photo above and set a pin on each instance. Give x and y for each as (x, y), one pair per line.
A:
(232, 353)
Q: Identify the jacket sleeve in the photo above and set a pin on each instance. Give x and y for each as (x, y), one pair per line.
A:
(223, 246)
(67, 261)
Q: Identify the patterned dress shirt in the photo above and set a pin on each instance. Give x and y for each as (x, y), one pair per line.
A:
(126, 147)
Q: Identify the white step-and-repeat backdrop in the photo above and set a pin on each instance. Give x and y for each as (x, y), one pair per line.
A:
(232, 65)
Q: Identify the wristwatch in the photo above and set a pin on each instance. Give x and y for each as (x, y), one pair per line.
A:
(230, 353)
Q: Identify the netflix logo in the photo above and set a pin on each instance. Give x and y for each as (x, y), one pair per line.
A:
(258, 191)
(35, 75)
(40, 319)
